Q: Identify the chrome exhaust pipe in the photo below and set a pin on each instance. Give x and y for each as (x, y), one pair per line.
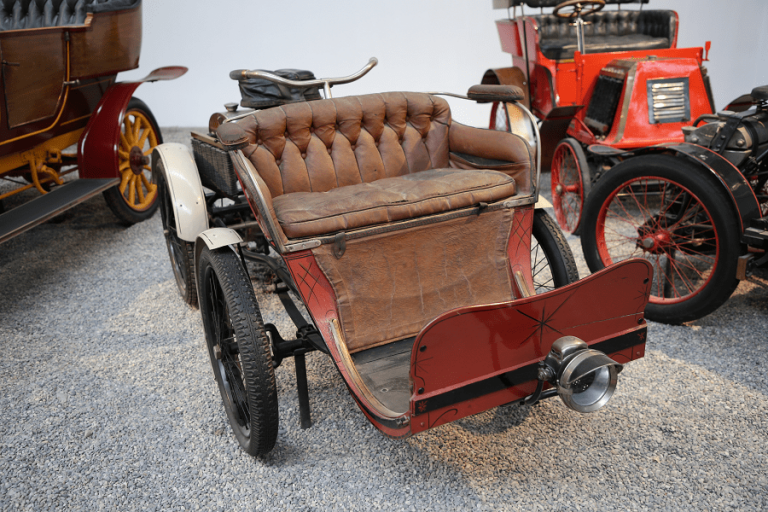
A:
(585, 378)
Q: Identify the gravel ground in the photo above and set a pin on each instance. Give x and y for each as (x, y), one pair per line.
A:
(108, 402)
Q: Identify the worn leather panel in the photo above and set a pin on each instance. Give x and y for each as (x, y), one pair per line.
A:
(389, 286)
(428, 192)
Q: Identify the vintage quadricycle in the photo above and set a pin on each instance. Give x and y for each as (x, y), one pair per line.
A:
(413, 243)
(60, 59)
(601, 82)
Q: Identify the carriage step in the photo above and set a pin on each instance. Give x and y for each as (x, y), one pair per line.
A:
(45, 207)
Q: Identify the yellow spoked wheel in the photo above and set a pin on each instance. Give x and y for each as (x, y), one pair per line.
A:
(135, 198)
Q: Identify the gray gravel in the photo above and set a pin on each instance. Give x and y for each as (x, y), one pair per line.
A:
(108, 402)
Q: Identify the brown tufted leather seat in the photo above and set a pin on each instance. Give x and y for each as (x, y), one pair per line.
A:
(347, 163)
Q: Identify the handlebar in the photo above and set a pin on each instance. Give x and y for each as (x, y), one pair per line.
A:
(326, 83)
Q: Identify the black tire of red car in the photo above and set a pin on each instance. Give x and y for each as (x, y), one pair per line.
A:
(703, 264)
(180, 252)
(569, 218)
(552, 263)
(131, 214)
(242, 363)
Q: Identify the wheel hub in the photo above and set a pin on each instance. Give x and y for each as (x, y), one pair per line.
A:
(137, 160)
(559, 189)
(655, 242)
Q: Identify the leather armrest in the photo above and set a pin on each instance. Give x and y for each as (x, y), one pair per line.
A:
(495, 150)
(486, 93)
(233, 136)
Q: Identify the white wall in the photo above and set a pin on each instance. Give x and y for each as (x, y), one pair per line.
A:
(422, 45)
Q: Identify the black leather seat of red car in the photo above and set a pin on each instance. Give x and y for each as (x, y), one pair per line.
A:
(607, 31)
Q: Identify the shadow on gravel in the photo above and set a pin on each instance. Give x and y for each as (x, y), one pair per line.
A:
(730, 341)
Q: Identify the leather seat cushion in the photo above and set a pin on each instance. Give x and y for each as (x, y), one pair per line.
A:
(303, 214)
(558, 49)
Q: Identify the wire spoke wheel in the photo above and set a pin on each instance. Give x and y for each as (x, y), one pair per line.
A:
(135, 198)
(570, 184)
(180, 252)
(552, 263)
(239, 349)
(666, 224)
(669, 213)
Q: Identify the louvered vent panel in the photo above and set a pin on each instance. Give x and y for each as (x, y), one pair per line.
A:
(668, 101)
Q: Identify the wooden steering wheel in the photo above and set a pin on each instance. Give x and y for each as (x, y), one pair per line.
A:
(577, 8)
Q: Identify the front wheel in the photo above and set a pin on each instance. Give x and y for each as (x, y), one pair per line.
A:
(552, 263)
(135, 198)
(239, 349)
(671, 213)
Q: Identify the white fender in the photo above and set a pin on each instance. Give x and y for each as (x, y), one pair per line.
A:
(215, 238)
(218, 237)
(187, 196)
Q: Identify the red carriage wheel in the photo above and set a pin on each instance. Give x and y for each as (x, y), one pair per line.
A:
(571, 183)
(667, 211)
(135, 198)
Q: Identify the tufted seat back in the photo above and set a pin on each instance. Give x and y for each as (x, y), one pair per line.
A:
(642, 30)
(347, 141)
(25, 14)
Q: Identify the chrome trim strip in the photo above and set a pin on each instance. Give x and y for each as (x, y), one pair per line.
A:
(242, 167)
(629, 86)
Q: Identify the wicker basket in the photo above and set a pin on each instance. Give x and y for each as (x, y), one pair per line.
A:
(216, 169)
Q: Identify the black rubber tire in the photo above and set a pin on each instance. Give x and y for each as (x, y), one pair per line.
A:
(552, 262)
(180, 252)
(722, 279)
(585, 173)
(232, 320)
(115, 200)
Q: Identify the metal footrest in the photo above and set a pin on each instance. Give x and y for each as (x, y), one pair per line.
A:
(47, 206)
(756, 234)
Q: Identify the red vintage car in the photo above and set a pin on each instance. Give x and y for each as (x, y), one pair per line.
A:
(599, 80)
(695, 210)
(430, 278)
(59, 65)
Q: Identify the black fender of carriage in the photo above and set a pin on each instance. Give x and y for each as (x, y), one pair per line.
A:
(732, 181)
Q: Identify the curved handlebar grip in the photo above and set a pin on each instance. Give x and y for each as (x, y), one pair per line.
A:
(241, 74)
(238, 74)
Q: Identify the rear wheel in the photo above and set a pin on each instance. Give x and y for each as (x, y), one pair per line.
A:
(180, 251)
(571, 183)
(669, 212)
(552, 263)
(239, 349)
(135, 198)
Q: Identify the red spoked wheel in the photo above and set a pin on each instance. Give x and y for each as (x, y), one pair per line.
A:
(671, 213)
(499, 117)
(571, 183)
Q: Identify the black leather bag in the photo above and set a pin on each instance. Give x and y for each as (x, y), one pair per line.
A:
(260, 93)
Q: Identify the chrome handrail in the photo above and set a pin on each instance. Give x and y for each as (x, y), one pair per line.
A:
(326, 83)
